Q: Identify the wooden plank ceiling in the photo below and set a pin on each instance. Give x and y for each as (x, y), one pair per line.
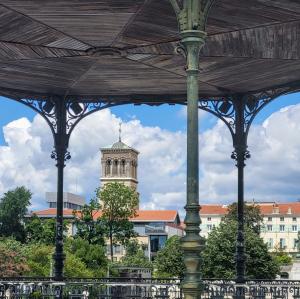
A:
(124, 49)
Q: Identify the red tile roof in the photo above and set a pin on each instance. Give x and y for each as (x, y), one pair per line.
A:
(52, 212)
(213, 210)
(281, 208)
(142, 215)
(265, 208)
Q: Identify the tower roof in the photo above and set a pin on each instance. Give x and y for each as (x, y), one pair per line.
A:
(119, 145)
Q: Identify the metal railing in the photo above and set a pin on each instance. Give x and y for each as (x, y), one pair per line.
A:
(251, 289)
(138, 288)
(106, 288)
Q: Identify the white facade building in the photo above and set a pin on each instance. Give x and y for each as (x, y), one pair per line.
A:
(281, 223)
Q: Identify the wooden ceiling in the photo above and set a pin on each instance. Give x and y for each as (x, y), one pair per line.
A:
(124, 49)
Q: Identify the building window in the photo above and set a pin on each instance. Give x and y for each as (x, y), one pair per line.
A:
(209, 227)
(281, 228)
(52, 205)
(281, 218)
(282, 243)
(117, 249)
(157, 242)
(269, 227)
(295, 243)
(294, 228)
(269, 218)
(294, 219)
(270, 243)
(208, 218)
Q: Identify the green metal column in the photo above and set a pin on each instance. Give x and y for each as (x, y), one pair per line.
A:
(191, 16)
(192, 42)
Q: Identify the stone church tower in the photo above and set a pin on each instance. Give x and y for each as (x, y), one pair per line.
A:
(119, 164)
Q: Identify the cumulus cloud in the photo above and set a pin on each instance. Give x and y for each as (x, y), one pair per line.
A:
(272, 173)
(25, 159)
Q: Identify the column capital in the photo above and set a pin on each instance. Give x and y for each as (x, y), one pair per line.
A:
(191, 14)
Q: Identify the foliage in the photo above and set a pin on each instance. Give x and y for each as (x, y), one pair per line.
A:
(252, 215)
(281, 257)
(82, 259)
(75, 267)
(219, 252)
(39, 259)
(88, 228)
(12, 258)
(13, 208)
(135, 256)
(42, 230)
(169, 260)
(119, 204)
(92, 255)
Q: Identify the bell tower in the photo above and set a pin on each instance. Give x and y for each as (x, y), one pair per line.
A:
(119, 164)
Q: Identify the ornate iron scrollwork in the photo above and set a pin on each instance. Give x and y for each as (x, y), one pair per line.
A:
(74, 111)
(226, 108)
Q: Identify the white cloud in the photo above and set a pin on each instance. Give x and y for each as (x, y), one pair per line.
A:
(273, 172)
(25, 160)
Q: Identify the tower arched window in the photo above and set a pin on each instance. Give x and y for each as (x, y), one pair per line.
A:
(123, 167)
(108, 167)
(115, 168)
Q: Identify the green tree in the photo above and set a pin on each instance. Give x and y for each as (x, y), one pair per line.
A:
(75, 267)
(135, 255)
(281, 257)
(93, 255)
(89, 228)
(219, 254)
(252, 215)
(39, 259)
(119, 204)
(169, 260)
(42, 230)
(13, 208)
(12, 258)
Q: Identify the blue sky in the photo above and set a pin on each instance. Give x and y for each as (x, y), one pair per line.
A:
(164, 116)
(159, 134)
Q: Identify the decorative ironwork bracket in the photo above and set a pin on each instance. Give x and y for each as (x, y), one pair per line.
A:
(238, 113)
(71, 113)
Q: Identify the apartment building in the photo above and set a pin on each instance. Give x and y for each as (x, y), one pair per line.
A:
(281, 223)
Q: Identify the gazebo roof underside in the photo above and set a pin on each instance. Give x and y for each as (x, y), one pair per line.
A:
(125, 49)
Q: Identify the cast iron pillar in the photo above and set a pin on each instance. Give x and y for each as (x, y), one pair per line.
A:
(191, 15)
(240, 154)
(60, 154)
(191, 242)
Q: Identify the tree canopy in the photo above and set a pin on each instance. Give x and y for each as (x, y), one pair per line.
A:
(119, 204)
(252, 215)
(219, 254)
(87, 227)
(169, 260)
(135, 255)
(42, 230)
(13, 208)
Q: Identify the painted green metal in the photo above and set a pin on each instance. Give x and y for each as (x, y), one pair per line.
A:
(60, 155)
(240, 155)
(191, 18)
(191, 243)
